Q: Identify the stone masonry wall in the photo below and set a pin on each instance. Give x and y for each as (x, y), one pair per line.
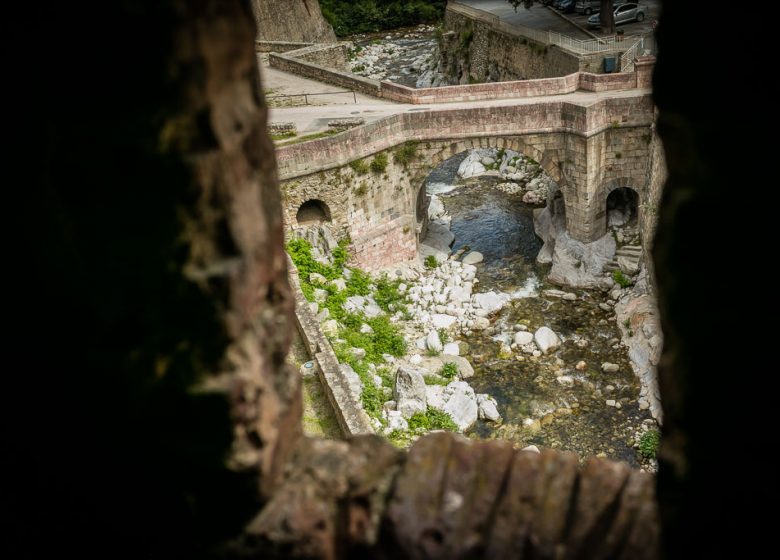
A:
(478, 46)
(291, 20)
(376, 210)
(289, 62)
(328, 55)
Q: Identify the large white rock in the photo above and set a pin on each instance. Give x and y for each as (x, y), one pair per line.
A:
(395, 421)
(488, 409)
(465, 369)
(470, 169)
(461, 404)
(442, 321)
(523, 337)
(339, 283)
(481, 323)
(578, 264)
(451, 348)
(608, 367)
(491, 301)
(435, 208)
(409, 392)
(330, 328)
(473, 257)
(546, 340)
(439, 236)
(433, 342)
(320, 295)
(434, 396)
(317, 278)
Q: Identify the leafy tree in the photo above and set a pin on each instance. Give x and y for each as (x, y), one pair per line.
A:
(607, 16)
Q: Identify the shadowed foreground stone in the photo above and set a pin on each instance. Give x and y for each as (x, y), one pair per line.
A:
(452, 497)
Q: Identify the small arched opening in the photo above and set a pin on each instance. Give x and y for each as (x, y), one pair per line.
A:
(622, 208)
(312, 212)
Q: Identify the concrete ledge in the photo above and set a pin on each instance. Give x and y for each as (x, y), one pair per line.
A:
(279, 46)
(350, 415)
(509, 90)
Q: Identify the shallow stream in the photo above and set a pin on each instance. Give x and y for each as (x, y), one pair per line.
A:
(544, 401)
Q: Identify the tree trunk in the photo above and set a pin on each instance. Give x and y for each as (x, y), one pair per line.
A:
(607, 17)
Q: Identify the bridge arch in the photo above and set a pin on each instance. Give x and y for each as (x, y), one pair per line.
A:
(624, 194)
(312, 211)
(444, 150)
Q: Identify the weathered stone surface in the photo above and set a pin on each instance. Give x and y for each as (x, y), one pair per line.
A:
(491, 301)
(523, 337)
(546, 340)
(409, 392)
(442, 320)
(465, 369)
(451, 349)
(608, 367)
(433, 342)
(461, 404)
(334, 494)
(488, 408)
(473, 257)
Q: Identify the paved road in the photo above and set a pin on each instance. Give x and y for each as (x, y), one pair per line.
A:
(313, 119)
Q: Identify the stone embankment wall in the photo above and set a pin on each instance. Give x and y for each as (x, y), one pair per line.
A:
(291, 20)
(478, 46)
(315, 62)
(350, 415)
(299, 61)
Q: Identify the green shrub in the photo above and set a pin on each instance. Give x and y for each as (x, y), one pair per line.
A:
(649, 442)
(387, 293)
(379, 163)
(359, 166)
(620, 278)
(359, 283)
(435, 380)
(361, 190)
(444, 336)
(449, 370)
(431, 262)
(406, 153)
(431, 419)
(358, 68)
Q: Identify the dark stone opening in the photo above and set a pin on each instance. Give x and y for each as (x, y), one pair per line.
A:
(622, 207)
(312, 212)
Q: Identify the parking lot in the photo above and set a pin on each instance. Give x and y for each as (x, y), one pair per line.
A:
(543, 18)
(633, 28)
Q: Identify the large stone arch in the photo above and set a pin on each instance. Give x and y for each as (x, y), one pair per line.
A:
(443, 150)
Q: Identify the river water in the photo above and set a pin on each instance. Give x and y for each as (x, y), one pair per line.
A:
(544, 401)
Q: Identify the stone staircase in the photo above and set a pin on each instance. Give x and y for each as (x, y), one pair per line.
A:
(627, 255)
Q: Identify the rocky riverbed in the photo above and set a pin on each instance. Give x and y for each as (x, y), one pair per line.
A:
(408, 56)
(492, 349)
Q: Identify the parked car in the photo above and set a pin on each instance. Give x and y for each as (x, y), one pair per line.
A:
(623, 14)
(566, 6)
(588, 7)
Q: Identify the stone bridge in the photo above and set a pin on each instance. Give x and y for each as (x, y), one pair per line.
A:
(368, 187)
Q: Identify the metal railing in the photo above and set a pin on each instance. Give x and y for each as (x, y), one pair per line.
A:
(306, 96)
(627, 58)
